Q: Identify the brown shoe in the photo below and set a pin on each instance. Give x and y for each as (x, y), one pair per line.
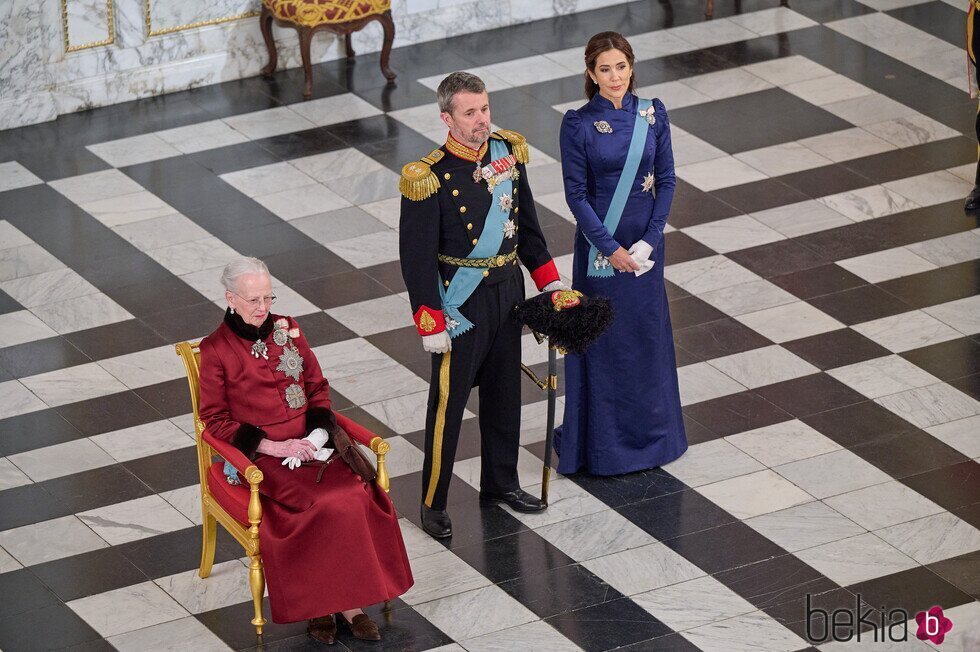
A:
(364, 628)
(323, 629)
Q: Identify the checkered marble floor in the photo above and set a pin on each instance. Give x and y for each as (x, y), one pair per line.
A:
(823, 284)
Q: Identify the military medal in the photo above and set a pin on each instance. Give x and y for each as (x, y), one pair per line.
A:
(497, 171)
(451, 324)
(295, 397)
(290, 363)
(602, 127)
(648, 182)
(505, 203)
(510, 228)
(260, 350)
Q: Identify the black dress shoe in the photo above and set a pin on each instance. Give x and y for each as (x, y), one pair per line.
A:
(518, 500)
(973, 199)
(436, 523)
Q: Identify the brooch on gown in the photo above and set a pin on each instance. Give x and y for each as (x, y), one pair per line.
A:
(648, 182)
(601, 262)
(602, 127)
(260, 350)
(649, 115)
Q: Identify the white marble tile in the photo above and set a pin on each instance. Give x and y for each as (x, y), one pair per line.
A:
(16, 399)
(790, 321)
(719, 173)
(701, 382)
(784, 158)
(72, 384)
(946, 65)
(748, 297)
(17, 262)
(334, 109)
(368, 187)
(932, 188)
(227, 585)
(962, 314)
(733, 233)
(270, 122)
(195, 256)
(146, 367)
(712, 461)
(366, 388)
(693, 603)
(11, 476)
(690, 149)
(949, 249)
(869, 109)
(81, 313)
(674, 95)
(387, 211)
(966, 172)
(338, 164)
(856, 559)
(133, 150)
(201, 136)
(417, 542)
(847, 144)
(772, 21)
(143, 440)
(867, 203)
(714, 32)
(403, 414)
(827, 90)
(134, 519)
(529, 70)
(127, 609)
(61, 459)
(8, 563)
(801, 218)
(440, 575)
(475, 613)
(537, 635)
(351, 358)
(340, 224)
(161, 231)
(375, 315)
(726, 83)
(885, 5)
(268, 179)
(127, 209)
(907, 331)
(911, 130)
(425, 117)
(643, 569)
(566, 500)
(883, 376)
(832, 474)
(49, 540)
(804, 526)
(933, 538)
(755, 493)
(746, 633)
(367, 250)
(782, 443)
(659, 43)
(787, 70)
(11, 236)
(595, 535)
(22, 326)
(187, 501)
(706, 274)
(492, 82)
(300, 202)
(404, 457)
(14, 175)
(173, 636)
(529, 469)
(960, 434)
(94, 186)
(932, 405)
(47, 287)
(764, 366)
(886, 265)
(883, 505)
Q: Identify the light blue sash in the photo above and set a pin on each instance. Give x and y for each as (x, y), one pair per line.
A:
(602, 267)
(466, 279)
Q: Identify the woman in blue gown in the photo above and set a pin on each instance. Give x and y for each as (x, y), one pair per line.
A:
(622, 403)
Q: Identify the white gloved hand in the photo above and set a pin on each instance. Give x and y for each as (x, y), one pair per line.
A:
(640, 253)
(555, 285)
(437, 343)
(318, 437)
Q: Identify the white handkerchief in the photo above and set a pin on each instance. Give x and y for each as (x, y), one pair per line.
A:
(644, 268)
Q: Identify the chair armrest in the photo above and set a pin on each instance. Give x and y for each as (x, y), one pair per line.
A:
(355, 430)
(235, 457)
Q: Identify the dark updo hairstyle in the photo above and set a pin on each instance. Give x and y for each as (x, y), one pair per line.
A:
(603, 42)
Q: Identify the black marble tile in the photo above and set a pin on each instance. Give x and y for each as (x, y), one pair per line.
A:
(341, 289)
(294, 267)
(177, 552)
(936, 18)
(806, 616)
(684, 357)
(8, 304)
(35, 430)
(60, 625)
(166, 471)
(810, 394)
(817, 281)
(286, 85)
(233, 625)
(107, 413)
(669, 643)
(828, 180)
(679, 247)
(628, 488)
(951, 487)
(268, 240)
(360, 132)
(513, 556)
(299, 144)
(912, 590)
(894, 164)
(777, 258)
(185, 323)
(969, 385)
(96, 488)
(51, 164)
(320, 328)
(170, 398)
(719, 338)
(692, 311)
(836, 348)
(860, 423)
(405, 346)
(29, 504)
(969, 513)
(401, 629)
(474, 524)
(40, 356)
(88, 574)
(141, 303)
(559, 590)
(608, 625)
(963, 572)
(387, 274)
(936, 286)
(232, 158)
(26, 592)
(115, 339)
(724, 547)
(909, 453)
(947, 360)
(735, 413)
(759, 195)
(676, 514)
(692, 206)
(860, 304)
(775, 581)
(824, 11)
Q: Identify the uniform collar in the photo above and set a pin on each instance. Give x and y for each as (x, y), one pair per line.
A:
(599, 102)
(460, 150)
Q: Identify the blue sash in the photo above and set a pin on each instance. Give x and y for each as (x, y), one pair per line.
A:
(466, 279)
(602, 267)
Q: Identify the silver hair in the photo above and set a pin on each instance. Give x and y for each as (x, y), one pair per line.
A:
(457, 82)
(240, 267)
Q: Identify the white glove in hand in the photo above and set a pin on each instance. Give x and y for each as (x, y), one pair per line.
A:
(318, 437)
(555, 285)
(640, 253)
(438, 343)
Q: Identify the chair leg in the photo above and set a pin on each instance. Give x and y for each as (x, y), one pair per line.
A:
(389, 28)
(305, 38)
(256, 582)
(210, 530)
(709, 9)
(265, 22)
(348, 46)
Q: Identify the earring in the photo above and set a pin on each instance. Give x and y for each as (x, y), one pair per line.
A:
(231, 309)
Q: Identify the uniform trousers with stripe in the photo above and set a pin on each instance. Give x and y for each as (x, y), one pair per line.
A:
(488, 356)
(973, 48)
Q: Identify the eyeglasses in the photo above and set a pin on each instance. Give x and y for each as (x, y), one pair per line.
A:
(254, 303)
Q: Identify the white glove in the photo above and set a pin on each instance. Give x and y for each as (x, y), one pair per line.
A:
(438, 343)
(318, 437)
(640, 253)
(555, 285)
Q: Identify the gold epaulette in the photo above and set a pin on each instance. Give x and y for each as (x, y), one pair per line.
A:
(517, 141)
(418, 181)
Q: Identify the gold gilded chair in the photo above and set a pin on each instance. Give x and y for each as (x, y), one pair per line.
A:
(308, 17)
(237, 507)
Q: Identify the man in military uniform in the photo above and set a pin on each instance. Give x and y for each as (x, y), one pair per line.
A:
(467, 218)
(972, 47)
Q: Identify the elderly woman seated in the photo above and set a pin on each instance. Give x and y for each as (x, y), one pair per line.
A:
(329, 539)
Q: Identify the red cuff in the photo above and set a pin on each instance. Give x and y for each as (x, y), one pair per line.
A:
(429, 321)
(545, 274)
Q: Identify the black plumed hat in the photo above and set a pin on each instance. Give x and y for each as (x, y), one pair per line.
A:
(568, 318)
